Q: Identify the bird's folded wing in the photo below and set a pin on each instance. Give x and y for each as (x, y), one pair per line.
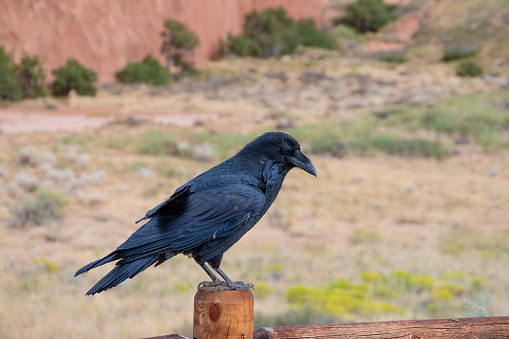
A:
(196, 218)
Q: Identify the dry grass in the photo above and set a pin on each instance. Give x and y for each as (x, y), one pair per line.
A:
(376, 214)
(411, 205)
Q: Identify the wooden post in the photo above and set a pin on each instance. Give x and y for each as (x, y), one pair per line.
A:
(223, 314)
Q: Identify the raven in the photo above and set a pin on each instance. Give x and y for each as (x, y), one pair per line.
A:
(210, 213)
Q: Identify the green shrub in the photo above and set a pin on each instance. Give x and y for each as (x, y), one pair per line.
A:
(74, 76)
(367, 15)
(181, 287)
(31, 77)
(244, 46)
(457, 53)
(310, 35)
(178, 44)
(148, 71)
(9, 86)
(474, 116)
(43, 207)
(329, 145)
(364, 236)
(469, 69)
(396, 57)
(273, 33)
(158, 143)
(339, 298)
(410, 147)
(262, 290)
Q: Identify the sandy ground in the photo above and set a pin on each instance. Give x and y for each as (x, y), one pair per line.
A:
(313, 234)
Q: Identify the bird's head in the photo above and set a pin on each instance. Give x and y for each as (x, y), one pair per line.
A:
(280, 148)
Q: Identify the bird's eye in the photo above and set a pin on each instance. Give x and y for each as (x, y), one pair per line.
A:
(286, 151)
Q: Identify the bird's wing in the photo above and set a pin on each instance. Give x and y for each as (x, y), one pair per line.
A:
(189, 219)
(171, 205)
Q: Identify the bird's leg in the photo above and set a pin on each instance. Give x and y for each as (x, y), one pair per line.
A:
(237, 285)
(215, 280)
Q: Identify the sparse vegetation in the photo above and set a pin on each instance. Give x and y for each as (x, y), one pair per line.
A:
(273, 33)
(469, 69)
(74, 76)
(393, 57)
(343, 144)
(473, 116)
(156, 142)
(457, 53)
(178, 44)
(373, 217)
(148, 71)
(410, 147)
(262, 290)
(31, 77)
(378, 294)
(364, 236)
(9, 86)
(43, 207)
(367, 15)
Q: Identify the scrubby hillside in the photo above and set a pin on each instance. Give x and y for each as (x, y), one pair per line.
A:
(427, 28)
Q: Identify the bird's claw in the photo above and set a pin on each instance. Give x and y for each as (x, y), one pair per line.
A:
(214, 284)
(221, 285)
(242, 286)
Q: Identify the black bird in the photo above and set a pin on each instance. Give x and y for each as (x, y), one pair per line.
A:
(209, 214)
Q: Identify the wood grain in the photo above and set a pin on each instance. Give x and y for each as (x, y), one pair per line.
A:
(223, 314)
(482, 328)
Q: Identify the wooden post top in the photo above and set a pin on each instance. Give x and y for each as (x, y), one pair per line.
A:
(223, 314)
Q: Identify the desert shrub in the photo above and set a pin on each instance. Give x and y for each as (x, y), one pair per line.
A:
(178, 44)
(340, 297)
(457, 53)
(310, 35)
(328, 145)
(262, 290)
(244, 46)
(367, 15)
(300, 316)
(9, 86)
(364, 236)
(473, 116)
(149, 71)
(410, 147)
(156, 142)
(43, 207)
(396, 57)
(469, 69)
(31, 77)
(74, 76)
(181, 287)
(273, 33)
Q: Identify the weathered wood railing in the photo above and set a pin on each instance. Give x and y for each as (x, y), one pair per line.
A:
(482, 328)
(229, 314)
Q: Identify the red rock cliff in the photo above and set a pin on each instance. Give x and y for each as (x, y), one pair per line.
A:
(106, 34)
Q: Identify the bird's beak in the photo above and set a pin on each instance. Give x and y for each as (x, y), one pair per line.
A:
(301, 161)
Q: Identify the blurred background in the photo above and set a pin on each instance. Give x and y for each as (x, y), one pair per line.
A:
(106, 107)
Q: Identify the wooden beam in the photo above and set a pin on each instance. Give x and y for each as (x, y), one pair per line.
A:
(168, 336)
(464, 328)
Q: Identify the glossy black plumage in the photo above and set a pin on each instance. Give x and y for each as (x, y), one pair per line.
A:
(210, 213)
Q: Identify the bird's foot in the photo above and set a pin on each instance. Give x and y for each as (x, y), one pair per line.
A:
(241, 286)
(215, 284)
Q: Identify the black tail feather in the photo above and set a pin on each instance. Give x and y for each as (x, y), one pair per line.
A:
(121, 273)
(109, 258)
